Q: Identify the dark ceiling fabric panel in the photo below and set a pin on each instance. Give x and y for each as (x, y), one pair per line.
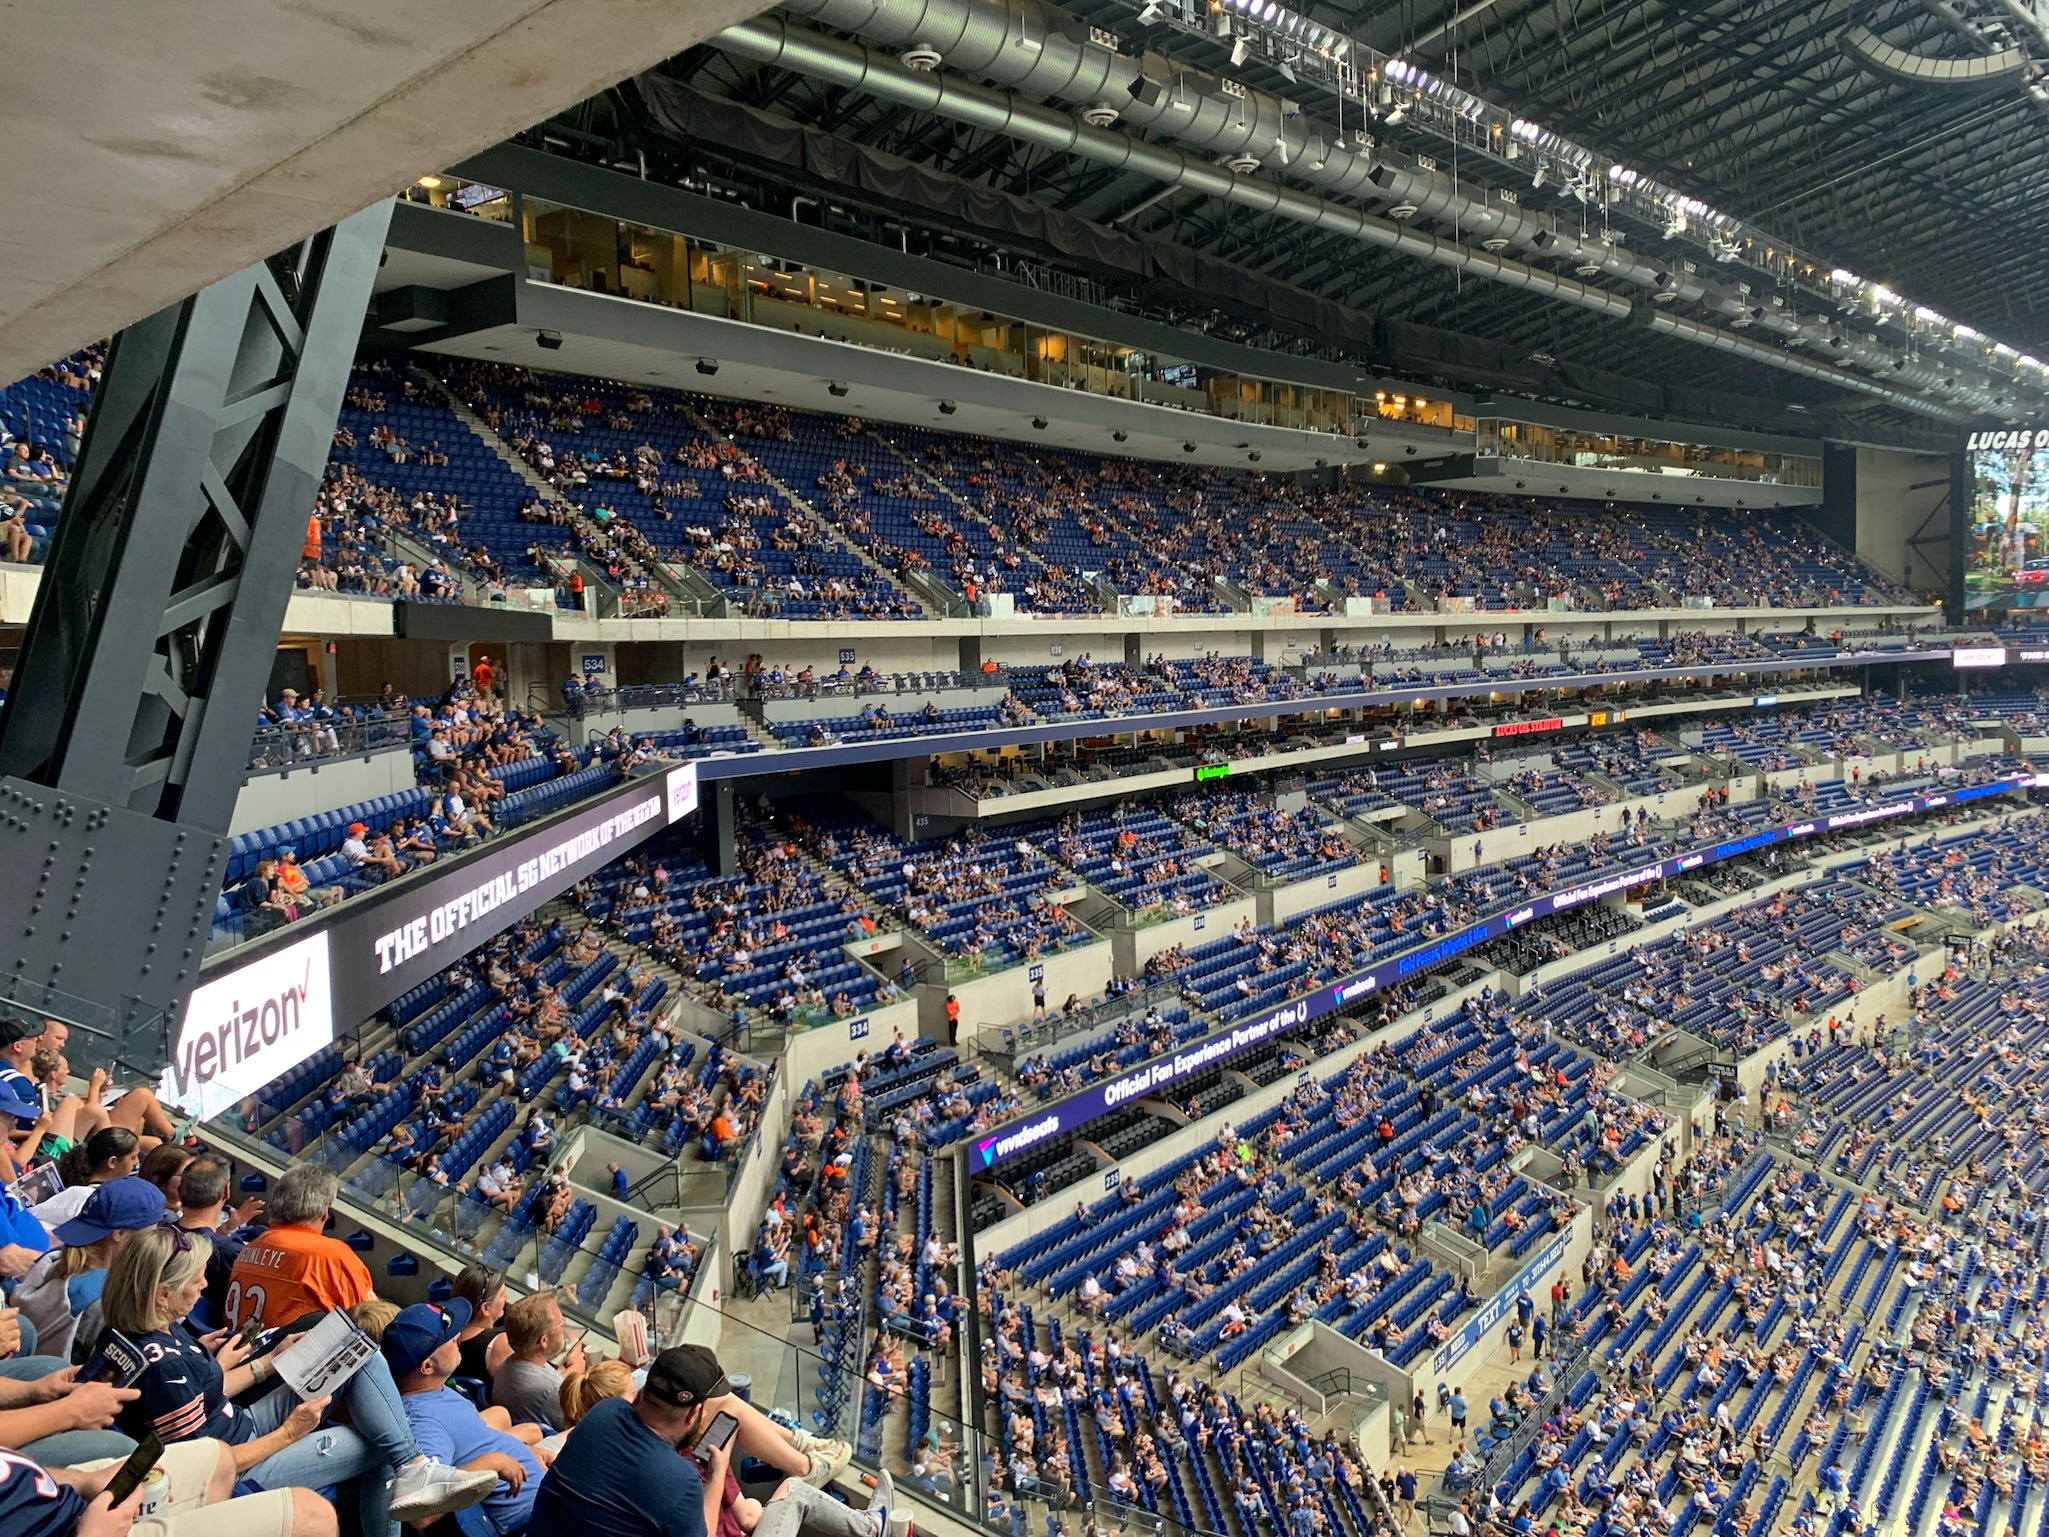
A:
(1412, 347)
(691, 114)
(1609, 389)
(1178, 271)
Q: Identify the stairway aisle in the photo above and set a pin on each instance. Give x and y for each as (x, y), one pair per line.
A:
(825, 526)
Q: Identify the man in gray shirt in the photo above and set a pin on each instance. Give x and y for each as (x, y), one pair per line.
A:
(527, 1386)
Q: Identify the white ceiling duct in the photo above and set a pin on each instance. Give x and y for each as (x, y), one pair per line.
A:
(772, 40)
(1031, 48)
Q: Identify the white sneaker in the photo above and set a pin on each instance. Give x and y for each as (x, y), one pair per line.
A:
(879, 1502)
(428, 1489)
(828, 1460)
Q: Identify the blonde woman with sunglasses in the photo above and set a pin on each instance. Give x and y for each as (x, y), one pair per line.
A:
(189, 1387)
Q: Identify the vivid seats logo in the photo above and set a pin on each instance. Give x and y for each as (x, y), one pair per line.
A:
(993, 1148)
(248, 1028)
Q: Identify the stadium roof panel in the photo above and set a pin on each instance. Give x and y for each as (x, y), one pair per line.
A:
(153, 151)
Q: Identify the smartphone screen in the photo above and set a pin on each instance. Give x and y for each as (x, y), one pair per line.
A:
(716, 1434)
(95, 1369)
(132, 1472)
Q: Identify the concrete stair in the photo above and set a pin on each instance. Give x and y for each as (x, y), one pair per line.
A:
(827, 530)
(658, 579)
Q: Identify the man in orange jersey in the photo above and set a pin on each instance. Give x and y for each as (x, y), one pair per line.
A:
(293, 1268)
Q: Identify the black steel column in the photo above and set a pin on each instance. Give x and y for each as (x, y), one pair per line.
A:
(124, 738)
(974, 1403)
(721, 840)
(1960, 490)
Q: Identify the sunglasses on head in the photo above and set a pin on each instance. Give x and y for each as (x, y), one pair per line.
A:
(181, 1243)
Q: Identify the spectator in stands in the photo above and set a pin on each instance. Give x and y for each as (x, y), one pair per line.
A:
(109, 1153)
(136, 1109)
(162, 1168)
(17, 544)
(203, 1196)
(40, 1498)
(293, 884)
(420, 1345)
(64, 1285)
(188, 1385)
(583, 1390)
(483, 1342)
(619, 1475)
(293, 1268)
(364, 853)
(33, 1119)
(671, 1259)
(527, 1386)
(55, 1419)
(501, 1185)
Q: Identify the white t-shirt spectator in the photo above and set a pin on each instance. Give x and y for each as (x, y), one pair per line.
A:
(354, 849)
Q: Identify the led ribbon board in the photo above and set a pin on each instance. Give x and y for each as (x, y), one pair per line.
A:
(1078, 1109)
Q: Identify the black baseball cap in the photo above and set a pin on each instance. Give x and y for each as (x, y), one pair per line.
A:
(684, 1376)
(13, 1029)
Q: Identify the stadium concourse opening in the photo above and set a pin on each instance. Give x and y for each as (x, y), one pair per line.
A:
(1132, 770)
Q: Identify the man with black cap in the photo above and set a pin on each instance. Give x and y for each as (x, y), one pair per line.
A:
(22, 1100)
(422, 1348)
(629, 1469)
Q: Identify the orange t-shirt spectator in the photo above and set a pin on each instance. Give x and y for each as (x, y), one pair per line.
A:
(293, 1268)
(482, 675)
(311, 548)
(718, 1136)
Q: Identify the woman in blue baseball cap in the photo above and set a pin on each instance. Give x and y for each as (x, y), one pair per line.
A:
(64, 1283)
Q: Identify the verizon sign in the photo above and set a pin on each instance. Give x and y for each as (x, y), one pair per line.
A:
(249, 1027)
(681, 783)
(398, 936)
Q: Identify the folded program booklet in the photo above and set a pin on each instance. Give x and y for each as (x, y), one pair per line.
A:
(324, 1357)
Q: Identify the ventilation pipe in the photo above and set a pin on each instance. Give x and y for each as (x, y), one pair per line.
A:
(771, 40)
(1031, 48)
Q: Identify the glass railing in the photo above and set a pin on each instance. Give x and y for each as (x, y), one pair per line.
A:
(246, 925)
(304, 743)
(920, 1429)
(581, 1254)
(965, 967)
(1059, 1026)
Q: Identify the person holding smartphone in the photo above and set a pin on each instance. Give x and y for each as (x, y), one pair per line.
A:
(189, 1387)
(660, 1465)
(199, 1499)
